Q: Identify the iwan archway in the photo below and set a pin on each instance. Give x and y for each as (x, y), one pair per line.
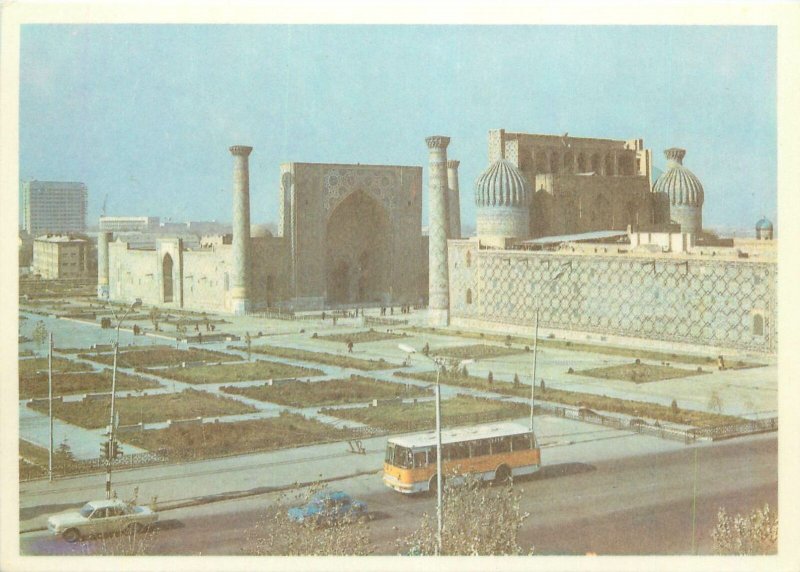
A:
(358, 256)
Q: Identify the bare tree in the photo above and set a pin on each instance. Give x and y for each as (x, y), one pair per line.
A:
(477, 521)
(276, 534)
(134, 541)
(715, 401)
(756, 533)
(39, 334)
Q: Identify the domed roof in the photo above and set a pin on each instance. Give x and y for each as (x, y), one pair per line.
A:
(259, 231)
(764, 224)
(682, 186)
(502, 185)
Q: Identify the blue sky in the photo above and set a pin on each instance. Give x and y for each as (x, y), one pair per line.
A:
(146, 113)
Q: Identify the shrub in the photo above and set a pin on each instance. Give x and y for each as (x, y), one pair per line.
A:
(478, 521)
(756, 533)
(490, 378)
(516, 380)
(674, 406)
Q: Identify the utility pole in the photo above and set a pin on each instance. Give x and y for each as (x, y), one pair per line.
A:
(50, 399)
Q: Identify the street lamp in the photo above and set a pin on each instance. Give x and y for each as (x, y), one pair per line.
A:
(439, 364)
(111, 448)
(536, 341)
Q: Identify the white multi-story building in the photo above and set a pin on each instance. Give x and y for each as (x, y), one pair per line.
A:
(129, 223)
(54, 207)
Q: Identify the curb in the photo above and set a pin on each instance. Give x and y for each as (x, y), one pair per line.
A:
(221, 497)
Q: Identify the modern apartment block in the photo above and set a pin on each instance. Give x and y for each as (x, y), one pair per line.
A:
(54, 207)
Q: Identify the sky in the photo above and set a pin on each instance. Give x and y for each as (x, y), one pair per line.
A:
(144, 114)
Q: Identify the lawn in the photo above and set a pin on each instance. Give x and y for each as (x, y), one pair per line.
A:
(32, 366)
(71, 383)
(362, 337)
(578, 399)
(403, 417)
(247, 371)
(587, 347)
(146, 356)
(210, 440)
(476, 352)
(94, 413)
(639, 372)
(328, 392)
(323, 358)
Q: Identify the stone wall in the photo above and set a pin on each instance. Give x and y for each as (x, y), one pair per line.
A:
(720, 303)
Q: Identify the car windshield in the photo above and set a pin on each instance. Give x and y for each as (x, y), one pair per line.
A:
(87, 510)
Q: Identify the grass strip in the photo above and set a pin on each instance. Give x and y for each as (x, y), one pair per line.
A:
(328, 392)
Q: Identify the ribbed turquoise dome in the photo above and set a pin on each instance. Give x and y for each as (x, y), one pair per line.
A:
(502, 185)
(682, 186)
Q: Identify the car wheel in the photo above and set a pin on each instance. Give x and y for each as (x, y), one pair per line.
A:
(72, 535)
(363, 518)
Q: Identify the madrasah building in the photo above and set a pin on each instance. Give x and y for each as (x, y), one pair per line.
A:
(570, 230)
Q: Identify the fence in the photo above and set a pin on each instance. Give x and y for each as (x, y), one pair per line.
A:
(375, 321)
(736, 429)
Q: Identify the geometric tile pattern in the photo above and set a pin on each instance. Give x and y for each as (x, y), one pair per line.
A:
(706, 302)
(339, 182)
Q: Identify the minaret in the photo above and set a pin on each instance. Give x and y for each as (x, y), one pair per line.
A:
(102, 265)
(453, 202)
(240, 279)
(438, 283)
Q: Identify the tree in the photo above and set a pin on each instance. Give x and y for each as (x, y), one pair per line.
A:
(516, 380)
(477, 521)
(674, 407)
(276, 534)
(249, 341)
(490, 378)
(154, 316)
(756, 533)
(129, 542)
(40, 334)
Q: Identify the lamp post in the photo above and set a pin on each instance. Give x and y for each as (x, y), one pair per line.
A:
(438, 364)
(536, 342)
(111, 436)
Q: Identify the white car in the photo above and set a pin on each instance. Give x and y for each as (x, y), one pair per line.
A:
(101, 517)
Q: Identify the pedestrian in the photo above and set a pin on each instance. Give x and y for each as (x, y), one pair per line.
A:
(334, 320)
(350, 346)
(323, 316)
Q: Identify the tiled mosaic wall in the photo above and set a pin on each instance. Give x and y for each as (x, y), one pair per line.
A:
(722, 303)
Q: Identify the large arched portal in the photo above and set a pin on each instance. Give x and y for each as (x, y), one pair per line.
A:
(358, 254)
(166, 267)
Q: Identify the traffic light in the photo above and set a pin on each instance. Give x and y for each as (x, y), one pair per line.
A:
(116, 450)
(104, 450)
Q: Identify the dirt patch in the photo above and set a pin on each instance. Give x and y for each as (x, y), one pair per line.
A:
(28, 367)
(322, 357)
(364, 337)
(640, 372)
(148, 357)
(249, 371)
(476, 352)
(94, 413)
(328, 392)
(209, 440)
(72, 383)
(460, 410)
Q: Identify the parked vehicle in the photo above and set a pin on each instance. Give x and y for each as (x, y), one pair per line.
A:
(101, 517)
(327, 508)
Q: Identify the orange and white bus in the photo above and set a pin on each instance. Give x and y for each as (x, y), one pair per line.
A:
(496, 452)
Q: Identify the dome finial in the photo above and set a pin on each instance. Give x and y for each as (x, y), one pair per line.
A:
(675, 154)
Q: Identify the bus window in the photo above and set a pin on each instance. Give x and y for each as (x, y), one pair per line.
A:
(455, 451)
(521, 442)
(420, 459)
(479, 448)
(402, 457)
(390, 453)
(501, 445)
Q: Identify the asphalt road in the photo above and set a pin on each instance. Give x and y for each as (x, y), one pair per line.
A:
(635, 505)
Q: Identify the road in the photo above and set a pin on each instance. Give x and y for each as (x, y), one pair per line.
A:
(635, 505)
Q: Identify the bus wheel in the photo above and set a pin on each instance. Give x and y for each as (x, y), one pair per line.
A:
(502, 475)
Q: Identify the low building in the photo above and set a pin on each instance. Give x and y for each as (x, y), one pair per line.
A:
(62, 256)
(129, 223)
